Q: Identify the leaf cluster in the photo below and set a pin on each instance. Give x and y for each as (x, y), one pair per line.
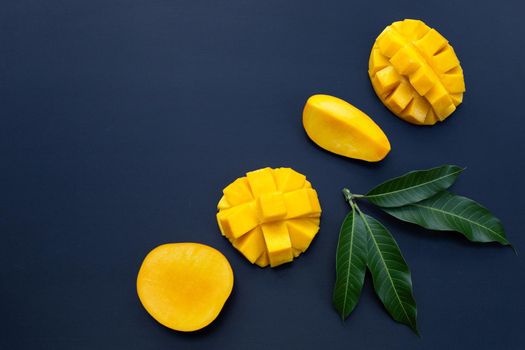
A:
(420, 197)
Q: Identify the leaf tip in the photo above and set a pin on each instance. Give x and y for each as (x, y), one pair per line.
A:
(418, 333)
(460, 169)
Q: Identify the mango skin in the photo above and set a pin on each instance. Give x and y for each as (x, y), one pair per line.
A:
(184, 286)
(340, 128)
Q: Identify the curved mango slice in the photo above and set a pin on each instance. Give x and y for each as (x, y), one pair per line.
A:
(416, 73)
(339, 127)
(271, 215)
(184, 285)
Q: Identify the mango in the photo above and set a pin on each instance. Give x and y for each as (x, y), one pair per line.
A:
(416, 73)
(184, 286)
(341, 128)
(270, 215)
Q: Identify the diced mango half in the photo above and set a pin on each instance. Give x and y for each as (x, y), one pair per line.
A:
(341, 128)
(280, 220)
(416, 73)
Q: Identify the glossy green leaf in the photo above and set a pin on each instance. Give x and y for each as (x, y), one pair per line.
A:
(413, 186)
(449, 212)
(390, 273)
(350, 264)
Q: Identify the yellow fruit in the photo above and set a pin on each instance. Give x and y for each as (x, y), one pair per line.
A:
(270, 215)
(339, 127)
(184, 285)
(416, 73)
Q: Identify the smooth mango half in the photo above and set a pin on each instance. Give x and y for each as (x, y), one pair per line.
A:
(341, 128)
(184, 285)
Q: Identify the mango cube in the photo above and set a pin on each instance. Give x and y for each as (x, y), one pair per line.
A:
(387, 79)
(238, 192)
(263, 260)
(314, 201)
(411, 28)
(236, 221)
(457, 98)
(423, 80)
(431, 118)
(259, 228)
(400, 98)
(298, 204)
(223, 203)
(431, 43)
(406, 61)
(422, 58)
(251, 245)
(391, 42)
(439, 97)
(288, 179)
(377, 61)
(454, 83)
(416, 112)
(261, 181)
(302, 231)
(445, 60)
(278, 243)
(272, 206)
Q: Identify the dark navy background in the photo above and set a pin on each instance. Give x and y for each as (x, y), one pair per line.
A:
(121, 121)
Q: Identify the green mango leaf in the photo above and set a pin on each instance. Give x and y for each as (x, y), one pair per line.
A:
(390, 273)
(350, 264)
(449, 212)
(413, 186)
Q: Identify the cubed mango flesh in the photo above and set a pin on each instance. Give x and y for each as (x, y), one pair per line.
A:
(278, 243)
(276, 218)
(416, 73)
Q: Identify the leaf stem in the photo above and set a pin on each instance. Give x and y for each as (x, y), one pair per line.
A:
(348, 195)
(350, 198)
(359, 212)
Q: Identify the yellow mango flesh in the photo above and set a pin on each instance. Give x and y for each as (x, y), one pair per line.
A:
(275, 216)
(339, 127)
(184, 285)
(416, 73)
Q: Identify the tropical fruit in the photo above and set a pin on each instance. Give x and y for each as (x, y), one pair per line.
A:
(269, 215)
(416, 73)
(341, 128)
(184, 285)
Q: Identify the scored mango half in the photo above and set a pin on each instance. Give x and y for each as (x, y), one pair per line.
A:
(416, 73)
(270, 215)
(341, 128)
